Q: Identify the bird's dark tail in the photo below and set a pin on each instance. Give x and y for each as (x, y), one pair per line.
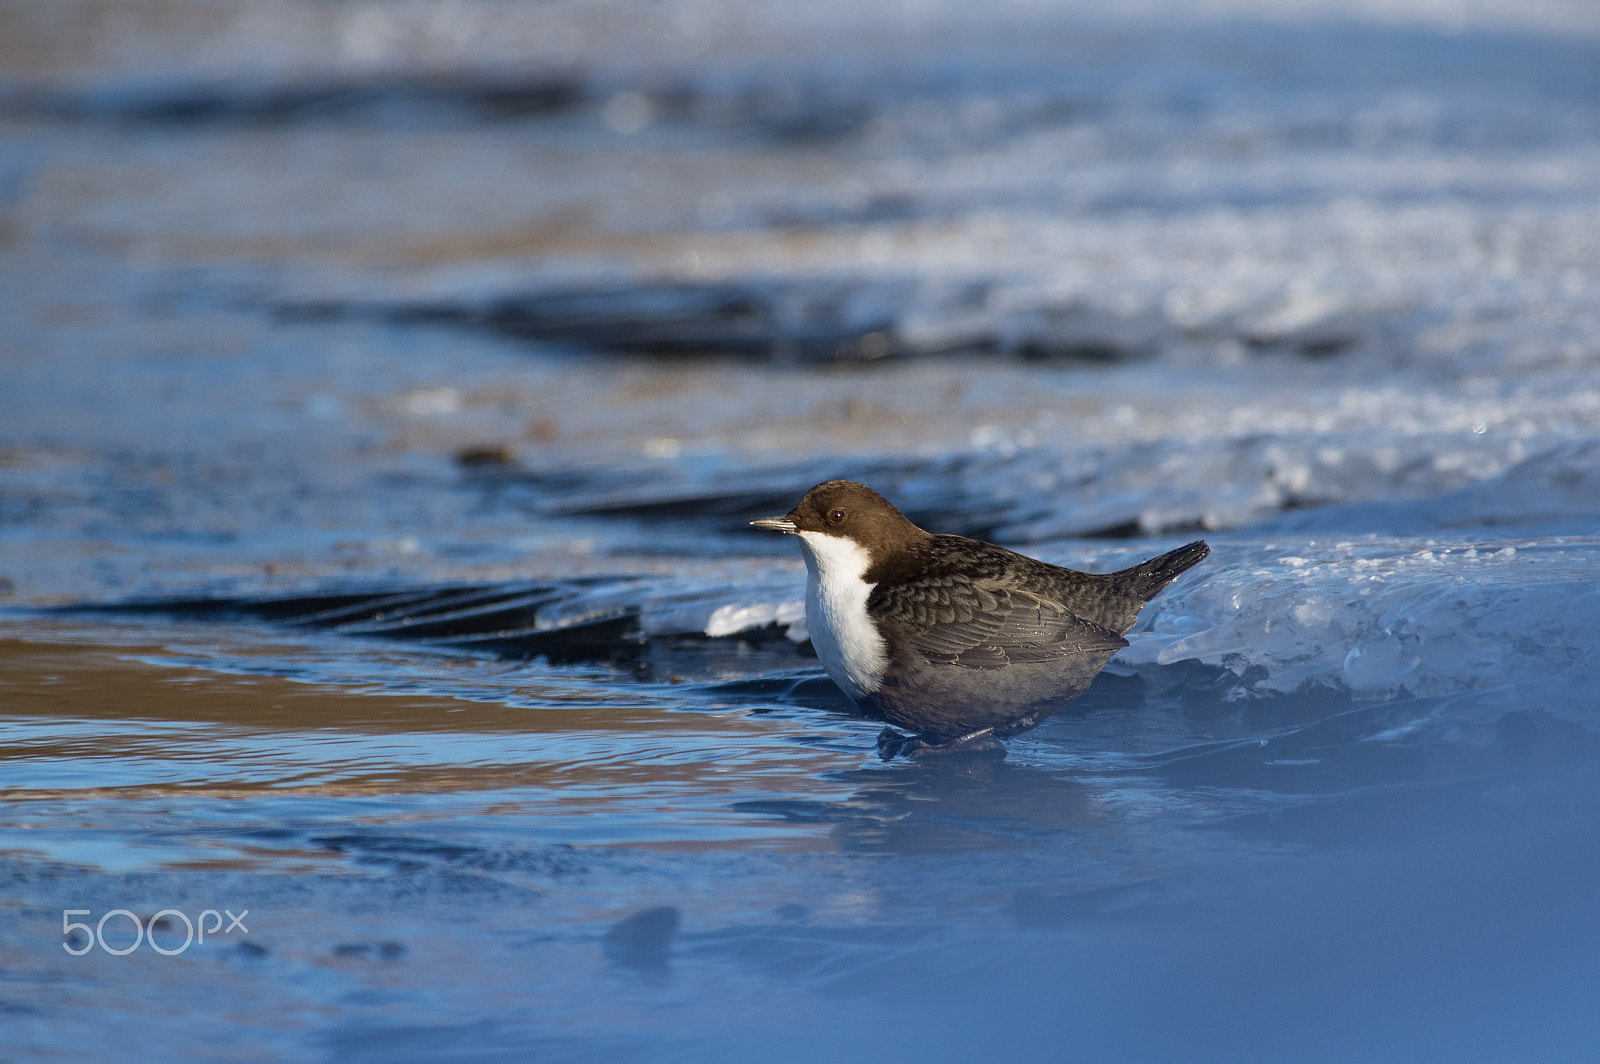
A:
(1148, 578)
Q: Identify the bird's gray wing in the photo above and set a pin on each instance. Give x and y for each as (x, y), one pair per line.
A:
(954, 622)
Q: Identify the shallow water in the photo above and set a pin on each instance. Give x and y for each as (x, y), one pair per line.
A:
(541, 303)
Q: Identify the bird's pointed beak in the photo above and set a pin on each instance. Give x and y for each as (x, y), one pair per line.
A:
(776, 524)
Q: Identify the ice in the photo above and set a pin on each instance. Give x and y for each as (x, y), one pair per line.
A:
(730, 619)
(1387, 619)
(1324, 459)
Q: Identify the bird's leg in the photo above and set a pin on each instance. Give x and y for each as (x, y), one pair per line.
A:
(892, 744)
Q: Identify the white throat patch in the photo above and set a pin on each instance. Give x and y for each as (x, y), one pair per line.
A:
(836, 613)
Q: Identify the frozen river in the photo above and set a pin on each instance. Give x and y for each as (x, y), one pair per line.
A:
(310, 305)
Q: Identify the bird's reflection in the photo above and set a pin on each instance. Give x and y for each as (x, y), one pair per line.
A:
(946, 805)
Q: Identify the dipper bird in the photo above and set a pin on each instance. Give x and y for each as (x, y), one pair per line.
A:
(957, 641)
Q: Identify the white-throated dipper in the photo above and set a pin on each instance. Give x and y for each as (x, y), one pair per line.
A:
(958, 641)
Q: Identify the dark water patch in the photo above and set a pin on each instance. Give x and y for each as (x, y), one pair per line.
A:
(676, 659)
(791, 112)
(942, 494)
(404, 852)
(809, 689)
(806, 320)
(794, 111)
(970, 493)
(1021, 79)
(823, 320)
(387, 951)
(397, 852)
(514, 621)
(831, 320)
(398, 100)
(442, 613)
(510, 621)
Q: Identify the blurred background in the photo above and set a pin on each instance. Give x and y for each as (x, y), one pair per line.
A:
(312, 298)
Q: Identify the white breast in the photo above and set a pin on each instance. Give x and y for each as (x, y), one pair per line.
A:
(836, 613)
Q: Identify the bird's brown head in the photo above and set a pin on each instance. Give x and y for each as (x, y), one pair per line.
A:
(849, 510)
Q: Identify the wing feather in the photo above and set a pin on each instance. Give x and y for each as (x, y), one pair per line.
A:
(961, 623)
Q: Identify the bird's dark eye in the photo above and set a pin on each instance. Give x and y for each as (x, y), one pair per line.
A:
(836, 516)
